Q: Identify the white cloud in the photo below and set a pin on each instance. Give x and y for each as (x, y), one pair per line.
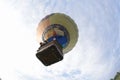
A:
(94, 56)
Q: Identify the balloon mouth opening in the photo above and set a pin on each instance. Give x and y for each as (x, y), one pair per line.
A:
(56, 32)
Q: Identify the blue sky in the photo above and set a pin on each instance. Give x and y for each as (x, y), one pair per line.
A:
(96, 55)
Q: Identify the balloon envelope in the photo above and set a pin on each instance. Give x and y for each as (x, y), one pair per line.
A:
(63, 20)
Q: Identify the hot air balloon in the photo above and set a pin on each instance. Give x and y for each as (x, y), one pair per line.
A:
(57, 34)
